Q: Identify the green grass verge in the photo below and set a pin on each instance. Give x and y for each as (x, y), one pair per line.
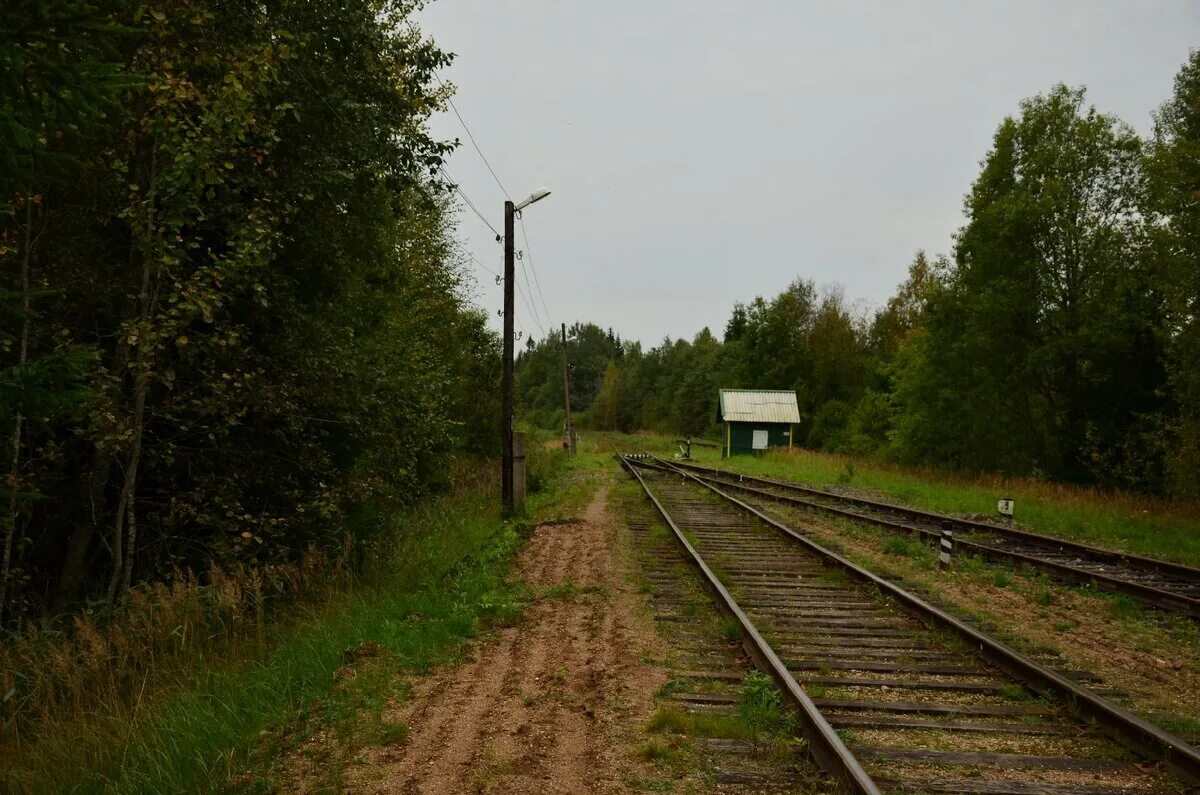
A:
(1116, 520)
(204, 733)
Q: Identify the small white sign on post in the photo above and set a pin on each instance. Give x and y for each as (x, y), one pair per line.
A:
(1005, 506)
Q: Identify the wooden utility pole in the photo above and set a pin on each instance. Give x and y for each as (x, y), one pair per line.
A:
(567, 393)
(506, 464)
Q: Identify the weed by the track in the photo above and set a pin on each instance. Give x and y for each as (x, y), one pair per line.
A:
(634, 781)
(1015, 692)
(1043, 595)
(761, 707)
(674, 719)
(1135, 523)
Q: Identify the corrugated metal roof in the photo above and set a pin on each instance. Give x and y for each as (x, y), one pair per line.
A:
(758, 405)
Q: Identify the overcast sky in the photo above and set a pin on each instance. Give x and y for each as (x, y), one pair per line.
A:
(702, 153)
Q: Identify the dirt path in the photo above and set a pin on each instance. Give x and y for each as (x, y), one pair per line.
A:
(553, 704)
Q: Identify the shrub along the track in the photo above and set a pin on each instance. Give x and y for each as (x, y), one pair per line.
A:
(197, 723)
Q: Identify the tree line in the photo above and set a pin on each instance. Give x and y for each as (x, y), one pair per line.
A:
(1059, 339)
(234, 326)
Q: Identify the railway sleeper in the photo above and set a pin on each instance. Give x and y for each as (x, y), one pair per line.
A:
(865, 670)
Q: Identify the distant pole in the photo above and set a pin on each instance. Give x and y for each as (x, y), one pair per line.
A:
(567, 393)
(506, 464)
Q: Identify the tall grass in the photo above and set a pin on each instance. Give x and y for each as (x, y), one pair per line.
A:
(1137, 523)
(172, 692)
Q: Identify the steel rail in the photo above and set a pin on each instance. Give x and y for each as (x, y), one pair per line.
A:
(1158, 597)
(826, 745)
(1120, 724)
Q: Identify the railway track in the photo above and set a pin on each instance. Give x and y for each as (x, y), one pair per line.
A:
(1159, 583)
(707, 668)
(893, 694)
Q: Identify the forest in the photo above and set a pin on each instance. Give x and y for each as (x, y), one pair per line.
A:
(235, 321)
(1058, 339)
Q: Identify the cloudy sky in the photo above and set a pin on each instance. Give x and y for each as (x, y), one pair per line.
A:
(702, 153)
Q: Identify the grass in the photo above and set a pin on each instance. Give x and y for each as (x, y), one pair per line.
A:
(1092, 629)
(635, 781)
(673, 719)
(1043, 595)
(760, 705)
(1139, 524)
(225, 718)
(1186, 726)
(910, 547)
(200, 734)
(1015, 692)
(731, 630)
(563, 592)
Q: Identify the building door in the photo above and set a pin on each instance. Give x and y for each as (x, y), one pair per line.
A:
(760, 440)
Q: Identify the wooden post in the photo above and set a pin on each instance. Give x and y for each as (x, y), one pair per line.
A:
(506, 420)
(518, 472)
(567, 393)
(728, 441)
(791, 434)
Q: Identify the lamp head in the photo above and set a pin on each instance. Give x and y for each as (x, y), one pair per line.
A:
(536, 196)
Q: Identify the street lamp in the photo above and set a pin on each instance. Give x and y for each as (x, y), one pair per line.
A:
(536, 196)
(507, 490)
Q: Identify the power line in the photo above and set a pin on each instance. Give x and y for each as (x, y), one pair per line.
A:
(485, 267)
(528, 285)
(529, 308)
(467, 199)
(474, 143)
(525, 302)
(441, 166)
(536, 281)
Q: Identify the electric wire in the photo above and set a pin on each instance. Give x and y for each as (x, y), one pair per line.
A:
(524, 234)
(453, 183)
(525, 302)
(474, 143)
(449, 179)
(485, 267)
(528, 286)
(536, 281)
(529, 308)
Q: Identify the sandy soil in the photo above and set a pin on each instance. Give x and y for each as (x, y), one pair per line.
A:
(553, 704)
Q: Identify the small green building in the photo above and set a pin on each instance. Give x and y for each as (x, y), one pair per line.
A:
(756, 419)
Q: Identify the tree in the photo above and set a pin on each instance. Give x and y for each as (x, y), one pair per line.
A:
(1042, 350)
(244, 321)
(1175, 172)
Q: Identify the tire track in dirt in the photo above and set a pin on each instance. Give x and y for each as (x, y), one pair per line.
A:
(546, 706)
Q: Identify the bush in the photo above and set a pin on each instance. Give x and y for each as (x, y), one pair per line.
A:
(543, 458)
(829, 430)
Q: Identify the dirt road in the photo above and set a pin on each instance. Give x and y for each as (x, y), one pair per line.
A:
(553, 704)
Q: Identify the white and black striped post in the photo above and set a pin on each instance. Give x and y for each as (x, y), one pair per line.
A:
(946, 553)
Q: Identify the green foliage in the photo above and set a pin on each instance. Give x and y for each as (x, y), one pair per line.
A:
(234, 320)
(759, 703)
(1175, 183)
(198, 728)
(1060, 342)
(1039, 351)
